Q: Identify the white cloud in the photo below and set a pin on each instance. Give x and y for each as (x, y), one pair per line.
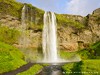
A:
(82, 7)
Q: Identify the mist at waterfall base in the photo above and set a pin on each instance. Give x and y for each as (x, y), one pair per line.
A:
(50, 53)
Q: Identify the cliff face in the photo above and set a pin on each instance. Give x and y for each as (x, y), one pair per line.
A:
(74, 31)
(73, 38)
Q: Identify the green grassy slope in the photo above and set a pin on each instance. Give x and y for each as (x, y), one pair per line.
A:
(10, 7)
(10, 58)
(91, 52)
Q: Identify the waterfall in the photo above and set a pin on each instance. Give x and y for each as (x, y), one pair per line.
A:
(23, 18)
(23, 27)
(24, 41)
(49, 37)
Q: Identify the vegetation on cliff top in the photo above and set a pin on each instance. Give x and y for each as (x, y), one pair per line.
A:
(13, 8)
(10, 7)
(62, 20)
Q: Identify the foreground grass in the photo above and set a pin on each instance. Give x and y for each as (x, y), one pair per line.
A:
(10, 58)
(32, 71)
(86, 67)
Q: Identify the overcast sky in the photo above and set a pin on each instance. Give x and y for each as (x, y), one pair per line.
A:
(77, 7)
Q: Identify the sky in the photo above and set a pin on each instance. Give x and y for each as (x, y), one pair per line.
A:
(75, 7)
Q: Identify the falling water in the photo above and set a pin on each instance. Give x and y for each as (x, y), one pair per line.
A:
(49, 37)
(24, 41)
(23, 18)
(23, 27)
